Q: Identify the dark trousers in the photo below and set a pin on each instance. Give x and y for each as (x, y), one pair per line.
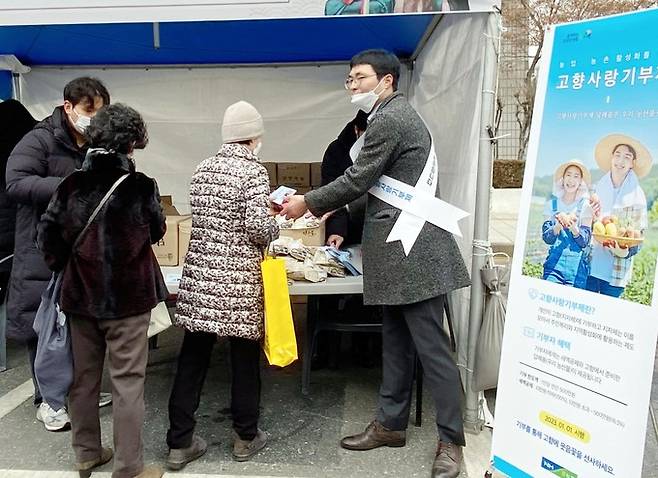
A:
(127, 346)
(193, 363)
(411, 328)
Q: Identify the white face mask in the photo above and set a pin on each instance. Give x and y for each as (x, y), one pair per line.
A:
(366, 101)
(82, 123)
(258, 148)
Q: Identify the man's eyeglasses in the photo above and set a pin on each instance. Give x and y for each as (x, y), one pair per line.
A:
(349, 80)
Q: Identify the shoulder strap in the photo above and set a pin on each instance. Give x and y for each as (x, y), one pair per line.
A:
(98, 209)
(554, 204)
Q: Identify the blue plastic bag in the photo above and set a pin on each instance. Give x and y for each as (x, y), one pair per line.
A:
(53, 365)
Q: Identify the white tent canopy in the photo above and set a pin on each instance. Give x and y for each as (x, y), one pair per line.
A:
(447, 77)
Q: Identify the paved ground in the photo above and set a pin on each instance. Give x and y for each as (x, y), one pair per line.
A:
(304, 431)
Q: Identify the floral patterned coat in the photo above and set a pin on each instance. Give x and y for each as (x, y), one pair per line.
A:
(221, 289)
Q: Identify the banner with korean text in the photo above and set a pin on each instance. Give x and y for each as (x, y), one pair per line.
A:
(108, 11)
(582, 317)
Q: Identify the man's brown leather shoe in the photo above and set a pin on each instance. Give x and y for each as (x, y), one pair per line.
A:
(448, 461)
(375, 435)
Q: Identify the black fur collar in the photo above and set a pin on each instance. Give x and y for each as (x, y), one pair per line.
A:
(99, 159)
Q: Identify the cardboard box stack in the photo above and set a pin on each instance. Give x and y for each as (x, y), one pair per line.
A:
(166, 249)
(300, 176)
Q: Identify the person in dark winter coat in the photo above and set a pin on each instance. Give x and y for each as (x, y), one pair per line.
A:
(110, 284)
(344, 227)
(51, 151)
(15, 122)
(346, 224)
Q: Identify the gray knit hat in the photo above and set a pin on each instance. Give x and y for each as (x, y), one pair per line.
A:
(241, 122)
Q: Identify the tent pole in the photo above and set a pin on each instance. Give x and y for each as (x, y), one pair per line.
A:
(156, 35)
(16, 87)
(472, 421)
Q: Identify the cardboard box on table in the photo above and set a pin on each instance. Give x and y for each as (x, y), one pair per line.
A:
(309, 236)
(316, 174)
(166, 249)
(294, 175)
(271, 172)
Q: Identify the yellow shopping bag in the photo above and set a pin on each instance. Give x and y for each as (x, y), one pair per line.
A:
(280, 344)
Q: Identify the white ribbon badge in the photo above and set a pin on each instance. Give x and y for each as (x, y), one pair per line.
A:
(417, 203)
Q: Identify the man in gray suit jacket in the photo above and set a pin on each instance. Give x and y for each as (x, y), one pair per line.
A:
(410, 288)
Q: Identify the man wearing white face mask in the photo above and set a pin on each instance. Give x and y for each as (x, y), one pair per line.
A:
(36, 166)
(409, 280)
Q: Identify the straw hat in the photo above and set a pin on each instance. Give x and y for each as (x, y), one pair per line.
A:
(559, 173)
(604, 149)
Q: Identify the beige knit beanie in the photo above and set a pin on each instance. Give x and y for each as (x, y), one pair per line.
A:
(241, 122)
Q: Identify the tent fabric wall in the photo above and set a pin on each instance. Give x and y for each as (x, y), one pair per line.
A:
(446, 86)
(304, 109)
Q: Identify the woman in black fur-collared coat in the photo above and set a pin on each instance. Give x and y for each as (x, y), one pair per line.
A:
(110, 284)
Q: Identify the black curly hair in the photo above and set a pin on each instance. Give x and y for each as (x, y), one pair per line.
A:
(117, 127)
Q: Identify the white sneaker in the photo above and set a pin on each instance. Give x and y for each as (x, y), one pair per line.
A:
(54, 421)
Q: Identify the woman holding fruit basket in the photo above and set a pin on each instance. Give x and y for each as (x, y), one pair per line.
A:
(623, 212)
(567, 228)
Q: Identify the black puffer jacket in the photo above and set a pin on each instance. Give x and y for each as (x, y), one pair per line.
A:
(36, 166)
(15, 122)
(113, 274)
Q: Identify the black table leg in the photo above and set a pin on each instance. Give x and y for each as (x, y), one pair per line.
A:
(312, 312)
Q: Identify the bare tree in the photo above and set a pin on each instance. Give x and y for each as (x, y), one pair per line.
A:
(527, 20)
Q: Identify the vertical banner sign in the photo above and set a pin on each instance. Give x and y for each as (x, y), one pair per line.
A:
(582, 316)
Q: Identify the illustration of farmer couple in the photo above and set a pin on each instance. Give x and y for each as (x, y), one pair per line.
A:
(592, 238)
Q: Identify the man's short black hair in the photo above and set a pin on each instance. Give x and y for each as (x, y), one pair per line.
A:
(117, 127)
(85, 89)
(382, 61)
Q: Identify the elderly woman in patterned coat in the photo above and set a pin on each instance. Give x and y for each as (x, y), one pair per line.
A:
(221, 291)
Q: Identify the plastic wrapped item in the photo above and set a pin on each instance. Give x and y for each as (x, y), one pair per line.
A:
(299, 251)
(323, 258)
(334, 271)
(344, 258)
(281, 246)
(309, 230)
(297, 270)
(284, 223)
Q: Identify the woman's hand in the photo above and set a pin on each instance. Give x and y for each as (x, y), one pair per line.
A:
(275, 209)
(335, 241)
